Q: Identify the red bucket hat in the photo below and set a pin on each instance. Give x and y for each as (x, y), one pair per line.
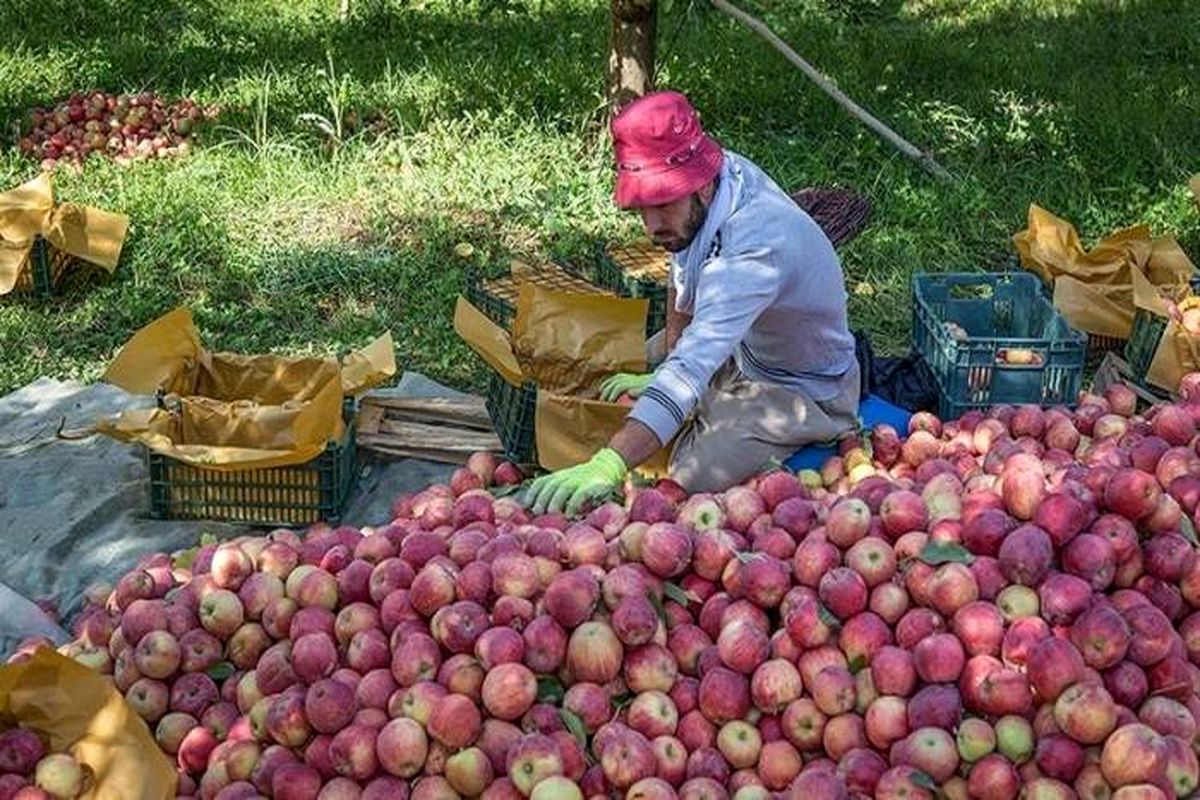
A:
(662, 153)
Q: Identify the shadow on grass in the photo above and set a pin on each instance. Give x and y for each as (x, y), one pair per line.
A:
(399, 273)
(1045, 102)
(1013, 89)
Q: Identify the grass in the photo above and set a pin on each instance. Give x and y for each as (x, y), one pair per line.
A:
(491, 133)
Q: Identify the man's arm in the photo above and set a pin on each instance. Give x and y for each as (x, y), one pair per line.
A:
(634, 442)
(727, 304)
(569, 489)
(676, 320)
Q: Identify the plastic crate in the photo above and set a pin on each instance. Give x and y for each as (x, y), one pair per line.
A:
(497, 297)
(998, 311)
(45, 270)
(290, 496)
(1144, 337)
(513, 412)
(1148, 328)
(638, 270)
(1099, 346)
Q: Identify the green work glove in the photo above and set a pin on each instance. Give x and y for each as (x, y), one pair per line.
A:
(568, 489)
(624, 383)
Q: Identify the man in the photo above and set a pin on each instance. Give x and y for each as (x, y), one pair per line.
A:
(760, 360)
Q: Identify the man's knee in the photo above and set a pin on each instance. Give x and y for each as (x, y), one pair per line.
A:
(713, 461)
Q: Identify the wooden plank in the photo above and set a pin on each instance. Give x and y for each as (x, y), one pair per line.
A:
(369, 417)
(407, 434)
(433, 405)
(422, 448)
(392, 443)
(471, 413)
(438, 435)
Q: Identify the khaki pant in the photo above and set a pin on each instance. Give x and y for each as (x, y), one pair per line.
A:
(741, 426)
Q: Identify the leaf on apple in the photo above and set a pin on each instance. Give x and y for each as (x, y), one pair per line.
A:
(935, 553)
(924, 780)
(219, 672)
(638, 480)
(185, 558)
(1188, 530)
(575, 726)
(827, 617)
(779, 465)
(680, 595)
(550, 690)
(656, 601)
(506, 491)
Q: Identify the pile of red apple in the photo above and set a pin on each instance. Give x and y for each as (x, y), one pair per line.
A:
(124, 127)
(1006, 605)
(29, 772)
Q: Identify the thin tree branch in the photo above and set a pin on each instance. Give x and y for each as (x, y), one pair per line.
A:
(858, 112)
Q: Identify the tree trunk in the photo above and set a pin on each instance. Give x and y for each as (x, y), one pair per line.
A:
(631, 51)
(344, 10)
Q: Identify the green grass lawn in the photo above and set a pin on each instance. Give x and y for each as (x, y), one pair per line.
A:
(492, 134)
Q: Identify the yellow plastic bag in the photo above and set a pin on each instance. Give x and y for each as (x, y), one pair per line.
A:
(567, 343)
(78, 711)
(232, 412)
(1094, 289)
(1178, 352)
(29, 211)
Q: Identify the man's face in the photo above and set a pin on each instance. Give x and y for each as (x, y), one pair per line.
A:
(675, 224)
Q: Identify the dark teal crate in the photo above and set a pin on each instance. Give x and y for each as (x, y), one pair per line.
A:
(46, 269)
(513, 411)
(291, 496)
(998, 311)
(1144, 338)
(1146, 334)
(1098, 346)
(497, 300)
(612, 276)
(496, 308)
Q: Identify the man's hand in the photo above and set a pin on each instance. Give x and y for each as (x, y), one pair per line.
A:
(568, 489)
(624, 383)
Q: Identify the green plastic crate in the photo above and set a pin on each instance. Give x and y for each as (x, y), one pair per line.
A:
(45, 271)
(998, 311)
(497, 297)
(294, 495)
(611, 275)
(1146, 334)
(1099, 346)
(1144, 338)
(498, 309)
(513, 411)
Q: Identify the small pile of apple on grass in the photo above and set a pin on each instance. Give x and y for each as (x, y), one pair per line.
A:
(123, 127)
(1001, 606)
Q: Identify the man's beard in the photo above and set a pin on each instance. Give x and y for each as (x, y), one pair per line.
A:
(697, 212)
